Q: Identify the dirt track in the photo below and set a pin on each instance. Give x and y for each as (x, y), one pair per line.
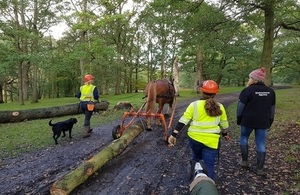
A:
(146, 167)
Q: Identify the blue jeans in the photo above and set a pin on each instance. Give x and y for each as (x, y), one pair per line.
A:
(87, 114)
(202, 152)
(260, 137)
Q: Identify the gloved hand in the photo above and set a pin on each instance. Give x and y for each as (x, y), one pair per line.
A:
(226, 135)
(172, 140)
(238, 121)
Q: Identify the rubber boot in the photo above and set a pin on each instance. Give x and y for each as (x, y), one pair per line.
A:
(258, 169)
(86, 132)
(244, 152)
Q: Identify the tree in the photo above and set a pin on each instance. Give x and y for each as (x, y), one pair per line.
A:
(251, 11)
(23, 24)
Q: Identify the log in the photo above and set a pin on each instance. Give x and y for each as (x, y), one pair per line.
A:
(41, 113)
(76, 177)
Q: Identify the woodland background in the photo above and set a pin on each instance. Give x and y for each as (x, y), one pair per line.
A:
(126, 43)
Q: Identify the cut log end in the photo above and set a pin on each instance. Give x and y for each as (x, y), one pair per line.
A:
(55, 191)
(15, 114)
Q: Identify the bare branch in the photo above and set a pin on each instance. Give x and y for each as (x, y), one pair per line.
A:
(289, 26)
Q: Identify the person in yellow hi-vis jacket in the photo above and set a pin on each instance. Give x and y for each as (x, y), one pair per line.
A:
(88, 94)
(207, 119)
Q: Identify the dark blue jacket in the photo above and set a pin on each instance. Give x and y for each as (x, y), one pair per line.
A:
(256, 106)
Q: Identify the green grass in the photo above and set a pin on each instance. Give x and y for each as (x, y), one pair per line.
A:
(16, 138)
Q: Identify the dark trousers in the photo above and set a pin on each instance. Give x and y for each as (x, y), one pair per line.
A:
(87, 114)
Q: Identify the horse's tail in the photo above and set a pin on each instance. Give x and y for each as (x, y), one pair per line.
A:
(151, 97)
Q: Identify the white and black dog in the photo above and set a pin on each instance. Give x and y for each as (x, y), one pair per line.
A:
(62, 126)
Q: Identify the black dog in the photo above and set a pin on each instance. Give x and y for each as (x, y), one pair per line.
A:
(63, 126)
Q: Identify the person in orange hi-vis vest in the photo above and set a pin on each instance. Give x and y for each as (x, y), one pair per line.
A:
(88, 95)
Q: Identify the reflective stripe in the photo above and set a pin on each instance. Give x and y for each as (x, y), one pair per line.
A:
(204, 126)
(195, 109)
(184, 120)
(206, 130)
(210, 123)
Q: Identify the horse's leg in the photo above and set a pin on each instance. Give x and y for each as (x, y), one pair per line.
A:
(151, 99)
(159, 111)
(149, 118)
(148, 121)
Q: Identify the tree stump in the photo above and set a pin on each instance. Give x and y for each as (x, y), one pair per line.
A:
(123, 105)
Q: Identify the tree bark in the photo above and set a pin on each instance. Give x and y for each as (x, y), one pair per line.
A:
(176, 76)
(40, 113)
(199, 70)
(76, 177)
(266, 59)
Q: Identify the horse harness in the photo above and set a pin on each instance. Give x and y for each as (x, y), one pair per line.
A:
(168, 94)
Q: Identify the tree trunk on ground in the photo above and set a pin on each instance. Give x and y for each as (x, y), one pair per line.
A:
(76, 177)
(40, 113)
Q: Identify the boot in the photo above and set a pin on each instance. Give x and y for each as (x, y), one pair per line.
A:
(244, 162)
(191, 169)
(90, 130)
(86, 132)
(258, 169)
(200, 169)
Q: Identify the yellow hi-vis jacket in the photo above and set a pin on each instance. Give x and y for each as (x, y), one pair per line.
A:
(87, 92)
(204, 128)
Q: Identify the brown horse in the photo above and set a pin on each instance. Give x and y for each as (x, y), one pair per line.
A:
(161, 92)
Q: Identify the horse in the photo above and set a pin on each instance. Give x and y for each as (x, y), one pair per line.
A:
(161, 92)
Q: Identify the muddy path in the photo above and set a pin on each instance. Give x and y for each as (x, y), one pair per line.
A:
(147, 166)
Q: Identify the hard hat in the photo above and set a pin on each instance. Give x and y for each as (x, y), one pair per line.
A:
(88, 77)
(209, 86)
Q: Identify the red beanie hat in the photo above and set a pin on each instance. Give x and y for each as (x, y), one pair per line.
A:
(258, 74)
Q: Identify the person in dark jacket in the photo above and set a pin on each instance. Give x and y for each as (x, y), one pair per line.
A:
(88, 94)
(255, 111)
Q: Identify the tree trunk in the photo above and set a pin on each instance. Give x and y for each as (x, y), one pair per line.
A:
(176, 76)
(1, 93)
(76, 177)
(199, 70)
(34, 97)
(266, 60)
(40, 113)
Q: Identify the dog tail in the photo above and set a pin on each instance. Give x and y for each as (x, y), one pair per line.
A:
(51, 123)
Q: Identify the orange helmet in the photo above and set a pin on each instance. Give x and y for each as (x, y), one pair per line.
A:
(88, 77)
(209, 86)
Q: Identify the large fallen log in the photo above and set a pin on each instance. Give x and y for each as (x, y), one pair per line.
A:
(40, 113)
(76, 177)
